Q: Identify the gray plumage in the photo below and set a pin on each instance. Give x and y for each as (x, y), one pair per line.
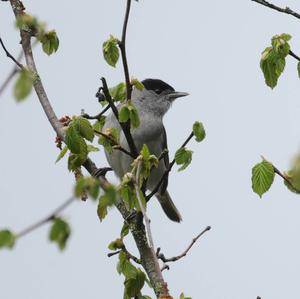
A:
(151, 103)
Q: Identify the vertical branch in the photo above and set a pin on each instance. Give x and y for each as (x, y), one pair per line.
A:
(122, 46)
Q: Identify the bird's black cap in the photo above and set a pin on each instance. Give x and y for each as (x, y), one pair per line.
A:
(158, 86)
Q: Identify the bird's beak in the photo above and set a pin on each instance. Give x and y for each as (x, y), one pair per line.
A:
(176, 94)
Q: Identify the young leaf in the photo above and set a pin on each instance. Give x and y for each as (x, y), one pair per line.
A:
(262, 177)
(125, 230)
(105, 201)
(23, 85)
(137, 84)
(199, 131)
(84, 128)
(62, 154)
(182, 296)
(76, 160)
(7, 239)
(124, 114)
(92, 148)
(133, 285)
(111, 51)
(118, 92)
(183, 157)
(134, 117)
(50, 42)
(60, 232)
(74, 141)
(116, 244)
(87, 185)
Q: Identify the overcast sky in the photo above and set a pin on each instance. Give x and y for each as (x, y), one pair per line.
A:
(210, 49)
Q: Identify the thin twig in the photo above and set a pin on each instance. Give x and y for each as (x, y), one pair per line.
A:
(138, 195)
(43, 221)
(124, 126)
(166, 173)
(291, 53)
(286, 10)
(122, 46)
(97, 116)
(180, 256)
(20, 65)
(128, 254)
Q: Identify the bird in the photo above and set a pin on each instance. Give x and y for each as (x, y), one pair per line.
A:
(151, 103)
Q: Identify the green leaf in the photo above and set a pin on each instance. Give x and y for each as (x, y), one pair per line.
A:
(92, 148)
(298, 69)
(23, 85)
(125, 267)
(60, 232)
(50, 42)
(105, 201)
(111, 51)
(98, 125)
(199, 131)
(118, 92)
(74, 141)
(116, 244)
(134, 116)
(137, 84)
(76, 160)
(293, 175)
(182, 296)
(27, 22)
(133, 285)
(273, 59)
(84, 128)
(125, 230)
(87, 185)
(262, 177)
(7, 239)
(183, 157)
(124, 114)
(62, 154)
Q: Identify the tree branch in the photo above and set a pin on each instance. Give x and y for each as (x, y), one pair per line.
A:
(166, 173)
(122, 46)
(180, 256)
(43, 221)
(291, 53)
(286, 10)
(97, 116)
(10, 56)
(128, 254)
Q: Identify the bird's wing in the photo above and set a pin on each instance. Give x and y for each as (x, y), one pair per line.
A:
(166, 160)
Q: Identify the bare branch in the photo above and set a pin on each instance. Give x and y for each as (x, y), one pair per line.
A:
(97, 116)
(166, 173)
(128, 254)
(43, 221)
(291, 53)
(180, 256)
(122, 46)
(10, 56)
(286, 10)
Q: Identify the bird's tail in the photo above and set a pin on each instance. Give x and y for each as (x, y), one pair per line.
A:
(168, 206)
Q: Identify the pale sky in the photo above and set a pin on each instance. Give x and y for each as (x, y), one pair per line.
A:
(210, 49)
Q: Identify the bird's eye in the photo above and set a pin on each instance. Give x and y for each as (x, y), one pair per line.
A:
(158, 91)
